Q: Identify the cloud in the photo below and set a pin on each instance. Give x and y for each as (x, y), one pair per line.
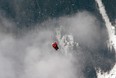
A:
(29, 54)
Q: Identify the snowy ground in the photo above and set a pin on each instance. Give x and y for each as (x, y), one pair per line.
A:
(112, 38)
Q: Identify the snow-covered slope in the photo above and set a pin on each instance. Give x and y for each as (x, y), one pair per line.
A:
(112, 38)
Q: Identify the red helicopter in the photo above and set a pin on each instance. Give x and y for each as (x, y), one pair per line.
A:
(55, 45)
